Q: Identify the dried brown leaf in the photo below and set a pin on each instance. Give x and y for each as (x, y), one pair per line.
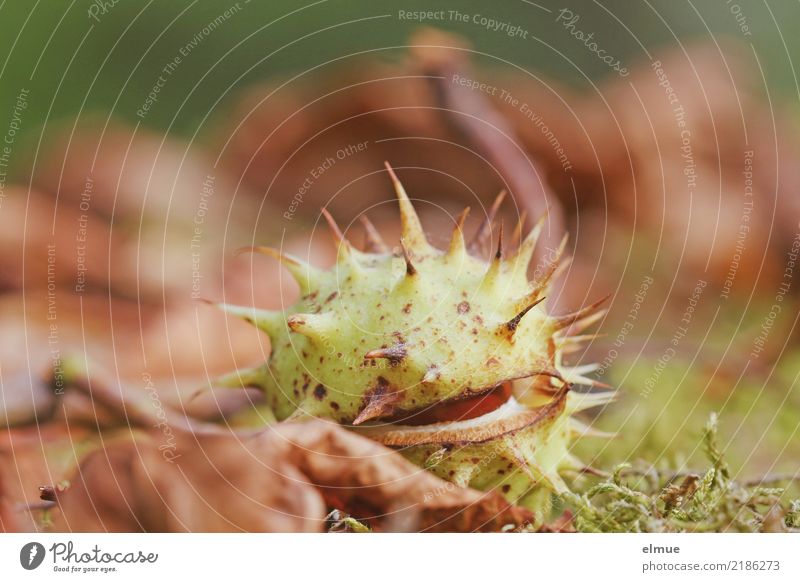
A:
(282, 479)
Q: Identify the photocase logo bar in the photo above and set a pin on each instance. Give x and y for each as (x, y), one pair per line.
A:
(66, 557)
(31, 555)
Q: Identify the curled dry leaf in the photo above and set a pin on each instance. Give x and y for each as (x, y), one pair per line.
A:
(283, 479)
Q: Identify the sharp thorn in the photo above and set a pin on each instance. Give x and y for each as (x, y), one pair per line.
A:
(284, 258)
(499, 254)
(603, 385)
(543, 280)
(412, 228)
(533, 295)
(267, 321)
(393, 177)
(395, 354)
(586, 322)
(579, 380)
(524, 253)
(574, 343)
(308, 324)
(410, 269)
(296, 322)
(577, 339)
(563, 265)
(462, 219)
(480, 235)
(511, 325)
(565, 321)
(243, 378)
(516, 236)
(344, 251)
(379, 401)
(302, 272)
(338, 236)
(269, 252)
(492, 275)
(578, 401)
(374, 241)
(457, 245)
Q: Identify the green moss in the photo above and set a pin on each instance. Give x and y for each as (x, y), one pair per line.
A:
(643, 498)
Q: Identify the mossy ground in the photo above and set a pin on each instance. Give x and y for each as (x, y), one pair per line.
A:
(640, 497)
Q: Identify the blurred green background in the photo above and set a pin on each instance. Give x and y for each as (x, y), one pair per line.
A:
(74, 63)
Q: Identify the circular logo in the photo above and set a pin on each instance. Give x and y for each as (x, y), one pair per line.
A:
(31, 555)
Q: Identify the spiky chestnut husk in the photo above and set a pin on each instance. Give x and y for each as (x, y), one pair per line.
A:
(388, 336)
